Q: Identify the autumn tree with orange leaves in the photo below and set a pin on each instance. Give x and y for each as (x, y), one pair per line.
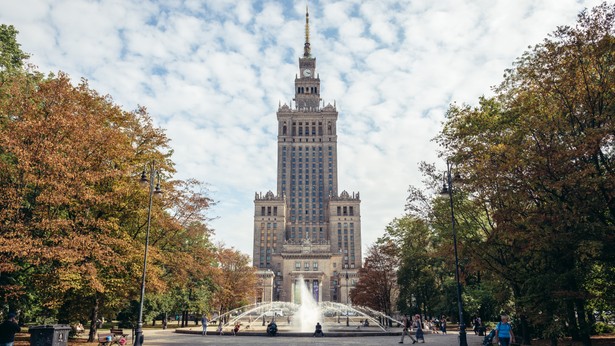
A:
(73, 215)
(235, 280)
(377, 285)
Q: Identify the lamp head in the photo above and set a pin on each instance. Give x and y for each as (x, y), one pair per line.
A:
(444, 190)
(143, 181)
(157, 189)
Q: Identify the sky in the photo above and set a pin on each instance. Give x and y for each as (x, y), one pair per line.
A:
(213, 73)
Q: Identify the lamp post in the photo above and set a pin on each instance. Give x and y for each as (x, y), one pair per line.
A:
(447, 189)
(152, 190)
(347, 312)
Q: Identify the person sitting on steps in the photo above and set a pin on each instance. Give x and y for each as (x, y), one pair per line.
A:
(318, 332)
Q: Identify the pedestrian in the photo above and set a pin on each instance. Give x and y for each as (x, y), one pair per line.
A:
(503, 332)
(419, 328)
(204, 321)
(407, 324)
(220, 328)
(8, 329)
(443, 324)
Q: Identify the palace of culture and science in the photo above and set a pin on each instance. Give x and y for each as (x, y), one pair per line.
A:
(308, 229)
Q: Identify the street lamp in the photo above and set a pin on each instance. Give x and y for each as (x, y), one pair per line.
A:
(152, 190)
(447, 189)
(347, 312)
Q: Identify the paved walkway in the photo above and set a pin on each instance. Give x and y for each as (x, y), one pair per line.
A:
(159, 337)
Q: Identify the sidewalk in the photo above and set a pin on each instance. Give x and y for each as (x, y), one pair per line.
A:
(169, 337)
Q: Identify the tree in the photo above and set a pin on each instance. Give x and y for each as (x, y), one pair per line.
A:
(234, 280)
(377, 284)
(538, 158)
(72, 216)
(11, 55)
(418, 271)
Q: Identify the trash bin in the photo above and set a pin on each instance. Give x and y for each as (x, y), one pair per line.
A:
(49, 335)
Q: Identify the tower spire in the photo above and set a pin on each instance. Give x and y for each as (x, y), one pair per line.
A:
(306, 47)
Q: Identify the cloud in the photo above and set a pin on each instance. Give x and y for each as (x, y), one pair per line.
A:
(213, 73)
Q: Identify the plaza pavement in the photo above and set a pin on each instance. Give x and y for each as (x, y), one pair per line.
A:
(158, 337)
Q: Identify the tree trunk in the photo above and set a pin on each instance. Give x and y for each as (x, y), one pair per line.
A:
(583, 325)
(93, 320)
(553, 341)
(573, 328)
(186, 320)
(525, 328)
(525, 331)
(63, 317)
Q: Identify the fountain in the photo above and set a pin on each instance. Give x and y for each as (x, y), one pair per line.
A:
(308, 312)
(300, 319)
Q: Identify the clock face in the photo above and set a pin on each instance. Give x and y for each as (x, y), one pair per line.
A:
(307, 72)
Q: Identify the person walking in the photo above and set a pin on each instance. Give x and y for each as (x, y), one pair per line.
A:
(443, 324)
(419, 328)
(407, 322)
(204, 322)
(8, 329)
(503, 332)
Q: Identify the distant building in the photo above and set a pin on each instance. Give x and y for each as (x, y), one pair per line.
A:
(307, 228)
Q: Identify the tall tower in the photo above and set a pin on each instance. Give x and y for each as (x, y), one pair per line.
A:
(307, 229)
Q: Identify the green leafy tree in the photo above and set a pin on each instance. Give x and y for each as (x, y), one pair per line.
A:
(538, 157)
(11, 55)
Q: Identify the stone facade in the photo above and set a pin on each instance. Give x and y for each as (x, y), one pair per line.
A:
(307, 229)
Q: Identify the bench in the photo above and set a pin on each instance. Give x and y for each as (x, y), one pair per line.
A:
(118, 332)
(105, 339)
(108, 339)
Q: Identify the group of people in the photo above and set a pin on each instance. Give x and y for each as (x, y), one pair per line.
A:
(437, 325)
(408, 324)
(502, 332)
(205, 321)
